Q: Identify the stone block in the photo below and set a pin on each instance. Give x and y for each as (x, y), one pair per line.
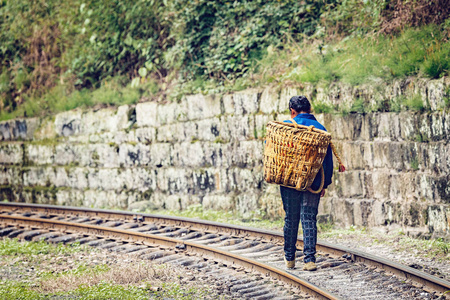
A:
(161, 155)
(147, 114)
(379, 214)
(228, 104)
(186, 155)
(37, 177)
(46, 130)
(105, 199)
(435, 92)
(393, 212)
(350, 183)
(248, 153)
(415, 214)
(105, 179)
(140, 179)
(104, 155)
(424, 128)
(240, 128)
(367, 152)
(409, 123)
(246, 179)
(341, 209)
(242, 103)
(108, 119)
(406, 185)
(167, 133)
(398, 156)
(362, 212)
(72, 154)
(202, 107)
(224, 181)
(146, 135)
(190, 200)
(141, 206)
(349, 128)
(367, 184)
(355, 151)
(40, 154)
(18, 129)
(247, 203)
(168, 113)
(437, 124)
(209, 129)
(431, 156)
(395, 186)
(381, 155)
(261, 124)
(123, 136)
(269, 100)
(74, 178)
(156, 199)
(187, 131)
(70, 198)
(204, 181)
(443, 188)
(174, 180)
(11, 176)
(172, 202)
(135, 155)
(38, 196)
(270, 202)
(68, 123)
(388, 127)
(439, 219)
(381, 184)
(11, 153)
(217, 154)
(426, 187)
(219, 202)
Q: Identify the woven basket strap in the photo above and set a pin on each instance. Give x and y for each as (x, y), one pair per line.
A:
(341, 165)
(322, 182)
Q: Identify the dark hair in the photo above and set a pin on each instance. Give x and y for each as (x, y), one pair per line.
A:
(300, 103)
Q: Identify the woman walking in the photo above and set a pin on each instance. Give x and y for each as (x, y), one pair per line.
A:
(303, 205)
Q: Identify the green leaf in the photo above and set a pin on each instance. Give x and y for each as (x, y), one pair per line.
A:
(142, 72)
(149, 65)
(135, 82)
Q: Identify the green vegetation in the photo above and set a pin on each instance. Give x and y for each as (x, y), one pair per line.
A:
(415, 164)
(37, 270)
(12, 247)
(58, 55)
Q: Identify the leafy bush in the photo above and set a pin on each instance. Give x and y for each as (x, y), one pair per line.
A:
(52, 51)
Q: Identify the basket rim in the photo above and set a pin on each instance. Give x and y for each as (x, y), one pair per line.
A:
(300, 126)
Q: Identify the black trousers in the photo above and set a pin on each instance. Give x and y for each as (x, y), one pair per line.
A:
(300, 206)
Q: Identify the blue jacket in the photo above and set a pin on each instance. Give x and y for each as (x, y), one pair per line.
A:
(308, 120)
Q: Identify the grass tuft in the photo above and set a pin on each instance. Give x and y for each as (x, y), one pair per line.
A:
(13, 247)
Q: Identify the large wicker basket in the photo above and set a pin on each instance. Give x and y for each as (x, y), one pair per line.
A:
(294, 154)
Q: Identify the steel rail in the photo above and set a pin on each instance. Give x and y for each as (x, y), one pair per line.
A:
(426, 281)
(152, 240)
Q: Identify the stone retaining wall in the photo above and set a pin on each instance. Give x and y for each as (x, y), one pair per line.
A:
(208, 150)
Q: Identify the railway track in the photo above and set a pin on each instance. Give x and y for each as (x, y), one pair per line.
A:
(342, 273)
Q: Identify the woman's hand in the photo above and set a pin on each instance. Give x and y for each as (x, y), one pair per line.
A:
(322, 193)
